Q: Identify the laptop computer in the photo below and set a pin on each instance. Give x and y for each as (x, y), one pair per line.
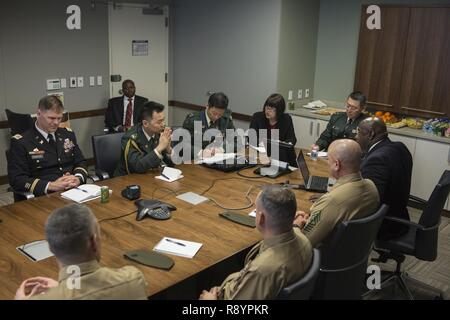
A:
(279, 164)
(239, 162)
(312, 183)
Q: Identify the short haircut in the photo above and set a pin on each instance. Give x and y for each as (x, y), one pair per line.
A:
(68, 230)
(149, 108)
(51, 103)
(218, 100)
(276, 101)
(280, 205)
(358, 96)
(126, 81)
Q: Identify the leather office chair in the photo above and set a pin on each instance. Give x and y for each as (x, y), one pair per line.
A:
(421, 241)
(302, 289)
(19, 122)
(107, 151)
(345, 258)
(18, 195)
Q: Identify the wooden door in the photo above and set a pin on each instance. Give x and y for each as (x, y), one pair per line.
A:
(425, 86)
(380, 57)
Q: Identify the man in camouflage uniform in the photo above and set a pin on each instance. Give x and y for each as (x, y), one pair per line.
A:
(352, 197)
(73, 235)
(147, 145)
(280, 259)
(215, 116)
(343, 125)
(46, 158)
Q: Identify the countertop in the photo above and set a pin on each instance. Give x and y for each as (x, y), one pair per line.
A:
(405, 131)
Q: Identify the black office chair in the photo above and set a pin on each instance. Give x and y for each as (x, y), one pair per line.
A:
(107, 149)
(345, 258)
(421, 241)
(302, 289)
(18, 122)
(18, 195)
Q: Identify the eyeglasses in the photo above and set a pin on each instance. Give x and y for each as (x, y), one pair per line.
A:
(270, 109)
(353, 108)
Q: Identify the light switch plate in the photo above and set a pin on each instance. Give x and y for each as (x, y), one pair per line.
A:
(91, 81)
(300, 94)
(80, 82)
(63, 83)
(99, 80)
(290, 93)
(73, 82)
(306, 93)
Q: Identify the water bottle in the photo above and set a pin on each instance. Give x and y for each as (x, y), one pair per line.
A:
(314, 153)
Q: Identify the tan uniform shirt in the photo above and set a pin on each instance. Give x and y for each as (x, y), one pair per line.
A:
(270, 266)
(350, 198)
(96, 283)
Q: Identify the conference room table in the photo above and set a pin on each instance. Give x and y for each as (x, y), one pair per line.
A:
(24, 222)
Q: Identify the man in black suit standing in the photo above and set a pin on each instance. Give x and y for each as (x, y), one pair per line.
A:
(389, 165)
(125, 111)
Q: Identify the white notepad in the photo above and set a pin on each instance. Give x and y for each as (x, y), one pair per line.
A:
(36, 250)
(253, 214)
(82, 193)
(170, 174)
(178, 247)
(192, 198)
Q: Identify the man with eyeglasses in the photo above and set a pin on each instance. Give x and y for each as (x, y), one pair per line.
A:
(215, 116)
(343, 125)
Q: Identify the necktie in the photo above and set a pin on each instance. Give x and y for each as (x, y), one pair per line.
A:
(211, 124)
(129, 113)
(51, 141)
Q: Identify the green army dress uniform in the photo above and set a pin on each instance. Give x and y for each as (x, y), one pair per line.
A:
(339, 128)
(271, 265)
(138, 153)
(95, 283)
(352, 197)
(34, 161)
(222, 124)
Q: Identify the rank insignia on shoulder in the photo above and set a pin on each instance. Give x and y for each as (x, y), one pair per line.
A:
(17, 136)
(69, 129)
(134, 136)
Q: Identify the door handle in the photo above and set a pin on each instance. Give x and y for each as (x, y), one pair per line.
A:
(311, 128)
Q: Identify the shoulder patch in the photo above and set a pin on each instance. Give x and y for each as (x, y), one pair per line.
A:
(17, 136)
(133, 136)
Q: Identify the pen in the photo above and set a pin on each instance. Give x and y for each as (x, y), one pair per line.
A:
(176, 242)
(81, 190)
(162, 174)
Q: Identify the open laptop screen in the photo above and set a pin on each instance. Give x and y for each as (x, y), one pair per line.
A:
(303, 167)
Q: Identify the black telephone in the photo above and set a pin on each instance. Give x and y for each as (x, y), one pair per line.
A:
(154, 209)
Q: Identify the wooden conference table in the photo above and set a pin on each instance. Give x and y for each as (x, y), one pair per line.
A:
(24, 222)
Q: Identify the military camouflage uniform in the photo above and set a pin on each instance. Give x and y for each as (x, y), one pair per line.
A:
(223, 123)
(350, 198)
(126, 283)
(138, 153)
(271, 265)
(338, 128)
(33, 162)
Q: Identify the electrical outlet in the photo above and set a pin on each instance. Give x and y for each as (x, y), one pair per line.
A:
(80, 82)
(290, 93)
(300, 94)
(306, 93)
(73, 82)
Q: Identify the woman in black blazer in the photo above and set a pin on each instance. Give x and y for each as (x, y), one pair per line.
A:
(273, 117)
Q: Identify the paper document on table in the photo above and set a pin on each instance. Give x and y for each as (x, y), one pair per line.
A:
(36, 250)
(260, 149)
(170, 174)
(321, 154)
(82, 193)
(253, 214)
(178, 247)
(220, 157)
